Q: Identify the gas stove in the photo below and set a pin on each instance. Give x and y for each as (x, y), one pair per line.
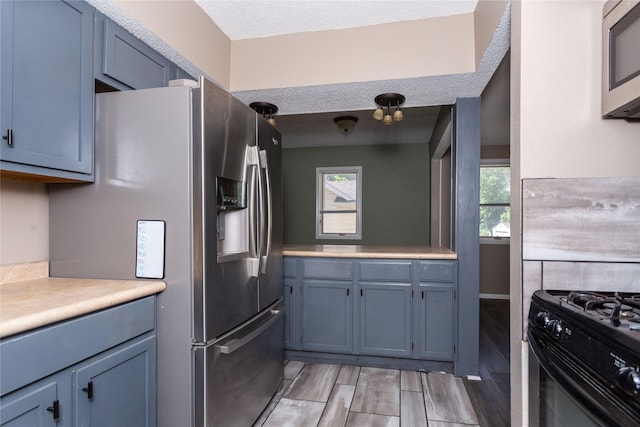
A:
(611, 317)
(591, 340)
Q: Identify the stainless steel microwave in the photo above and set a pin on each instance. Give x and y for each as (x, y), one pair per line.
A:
(621, 59)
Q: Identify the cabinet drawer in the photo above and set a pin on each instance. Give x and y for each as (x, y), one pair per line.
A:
(436, 271)
(52, 348)
(392, 270)
(289, 267)
(328, 269)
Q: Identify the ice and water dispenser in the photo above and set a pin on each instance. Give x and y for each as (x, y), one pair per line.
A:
(232, 224)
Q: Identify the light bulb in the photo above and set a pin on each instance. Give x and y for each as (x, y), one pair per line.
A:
(387, 119)
(378, 114)
(398, 115)
(271, 121)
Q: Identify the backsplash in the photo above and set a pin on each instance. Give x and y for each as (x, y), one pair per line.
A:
(581, 219)
(580, 234)
(21, 272)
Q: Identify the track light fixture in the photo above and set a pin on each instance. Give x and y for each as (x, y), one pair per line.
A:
(386, 102)
(267, 110)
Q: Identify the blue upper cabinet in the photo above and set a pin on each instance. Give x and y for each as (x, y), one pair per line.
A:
(124, 61)
(46, 89)
(179, 73)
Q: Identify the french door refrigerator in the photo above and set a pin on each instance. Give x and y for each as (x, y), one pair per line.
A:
(187, 189)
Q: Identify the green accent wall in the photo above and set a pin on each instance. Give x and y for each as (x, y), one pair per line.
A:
(395, 192)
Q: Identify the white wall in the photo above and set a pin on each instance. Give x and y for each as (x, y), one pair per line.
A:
(24, 222)
(356, 54)
(562, 134)
(186, 28)
(556, 127)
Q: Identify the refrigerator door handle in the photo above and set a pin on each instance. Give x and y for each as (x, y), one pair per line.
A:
(262, 232)
(269, 209)
(253, 261)
(234, 344)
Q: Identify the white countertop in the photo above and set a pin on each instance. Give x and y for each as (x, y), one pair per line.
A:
(358, 251)
(28, 300)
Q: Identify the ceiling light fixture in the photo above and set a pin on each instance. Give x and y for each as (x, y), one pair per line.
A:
(346, 124)
(267, 110)
(385, 103)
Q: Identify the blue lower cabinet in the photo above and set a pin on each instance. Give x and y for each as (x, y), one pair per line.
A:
(436, 321)
(31, 407)
(385, 319)
(113, 390)
(400, 309)
(291, 309)
(97, 370)
(327, 316)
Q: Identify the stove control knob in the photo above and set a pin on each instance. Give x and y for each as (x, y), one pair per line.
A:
(629, 380)
(555, 328)
(542, 319)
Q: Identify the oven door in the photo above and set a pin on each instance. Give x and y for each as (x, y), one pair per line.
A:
(564, 393)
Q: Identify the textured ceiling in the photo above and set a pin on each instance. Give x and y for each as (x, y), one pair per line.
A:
(419, 91)
(259, 18)
(256, 18)
(315, 130)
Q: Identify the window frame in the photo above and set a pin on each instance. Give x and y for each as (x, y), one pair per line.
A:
(495, 163)
(320, 172)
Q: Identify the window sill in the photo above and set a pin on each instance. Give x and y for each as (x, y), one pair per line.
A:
(338, 237)
(494, 241)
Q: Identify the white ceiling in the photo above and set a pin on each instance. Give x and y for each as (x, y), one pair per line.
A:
(246, 19)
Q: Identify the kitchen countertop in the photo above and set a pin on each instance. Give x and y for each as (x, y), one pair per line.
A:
(29, 303)
(357, 251)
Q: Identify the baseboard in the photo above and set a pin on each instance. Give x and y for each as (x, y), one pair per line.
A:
(376, 361)
(495, 296)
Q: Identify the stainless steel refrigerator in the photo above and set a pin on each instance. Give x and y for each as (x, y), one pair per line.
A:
(187, 189)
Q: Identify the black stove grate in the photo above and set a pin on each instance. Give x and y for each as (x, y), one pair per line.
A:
(615, 307)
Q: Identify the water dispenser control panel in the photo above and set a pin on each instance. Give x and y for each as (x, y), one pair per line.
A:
(231, 194)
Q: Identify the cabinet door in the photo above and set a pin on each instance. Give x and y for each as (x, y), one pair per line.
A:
(290, 298)
(327, 316)
(27, 407)
(118, 388)
(47, 88)
(129, 61)
(385, 319)
(436, 321)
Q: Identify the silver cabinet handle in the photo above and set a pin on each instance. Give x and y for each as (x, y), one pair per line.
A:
(232, 344)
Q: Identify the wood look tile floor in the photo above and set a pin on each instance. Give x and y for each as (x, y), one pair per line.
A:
(327, 395)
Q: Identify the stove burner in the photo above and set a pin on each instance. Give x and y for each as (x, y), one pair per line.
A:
(615, 307)
(633, 300)
(584, 299)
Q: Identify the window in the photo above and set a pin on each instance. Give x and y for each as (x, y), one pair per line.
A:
(338, 202)
(495, 194)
